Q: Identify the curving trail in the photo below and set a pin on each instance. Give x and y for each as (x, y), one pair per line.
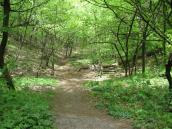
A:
(73, 106)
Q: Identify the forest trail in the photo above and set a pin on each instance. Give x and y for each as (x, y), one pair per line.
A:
(73, 106)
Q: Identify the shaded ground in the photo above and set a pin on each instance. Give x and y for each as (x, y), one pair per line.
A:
(73, 106)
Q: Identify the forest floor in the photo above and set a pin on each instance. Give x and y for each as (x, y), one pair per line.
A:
(73, 106)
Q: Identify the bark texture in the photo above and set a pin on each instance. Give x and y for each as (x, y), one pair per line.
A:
(5, 34)
(167, 71)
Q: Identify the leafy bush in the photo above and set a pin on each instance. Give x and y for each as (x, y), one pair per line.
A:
(142, 99)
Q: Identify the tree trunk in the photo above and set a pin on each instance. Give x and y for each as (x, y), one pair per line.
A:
(167, 71)
(144, 48)
(165, 28)
(6, 15)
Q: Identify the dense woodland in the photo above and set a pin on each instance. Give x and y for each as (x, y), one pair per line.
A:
(127, 41)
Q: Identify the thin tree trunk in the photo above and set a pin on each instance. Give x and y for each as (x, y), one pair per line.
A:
(134, 60)
(53, 60)
(127, 63)
(165, 27)
(5, 34)
(167, 71)
(144, 48)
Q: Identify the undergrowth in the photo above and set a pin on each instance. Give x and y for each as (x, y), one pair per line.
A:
(145, 100)
(30, 81)
(23, 109)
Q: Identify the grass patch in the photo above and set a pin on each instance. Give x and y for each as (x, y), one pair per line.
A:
(80, 63)
(29, 81)
(24, 110)
(142, 99)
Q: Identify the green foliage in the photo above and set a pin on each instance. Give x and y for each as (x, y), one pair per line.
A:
(80, 63)
(23, 110)
(30, 81)
(2, 82)
(101, 52)
(142, 99)
(53, 26)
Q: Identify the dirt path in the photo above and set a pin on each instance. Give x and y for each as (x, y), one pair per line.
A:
(73, 106)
